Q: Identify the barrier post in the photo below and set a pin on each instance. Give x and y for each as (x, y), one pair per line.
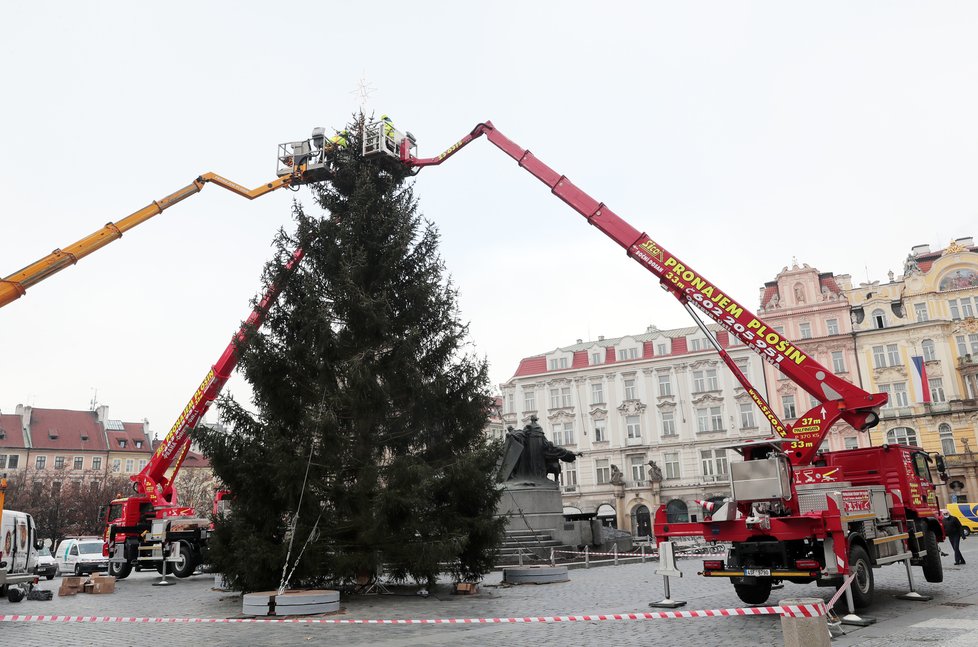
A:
(519, 552)
(616, 553)
(805, 631)
(553, 560)
(667, 568)
(587, 558)
(643, 553)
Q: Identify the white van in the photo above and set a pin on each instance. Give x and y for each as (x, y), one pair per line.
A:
(81, 555)
(18, 554)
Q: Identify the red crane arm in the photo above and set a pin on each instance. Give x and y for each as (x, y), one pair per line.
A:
(837, 397)
(152, 480)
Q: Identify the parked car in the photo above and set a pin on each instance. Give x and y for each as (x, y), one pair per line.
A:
(81, 555)
(47, 565)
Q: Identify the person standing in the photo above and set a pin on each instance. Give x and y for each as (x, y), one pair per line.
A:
(953, 530)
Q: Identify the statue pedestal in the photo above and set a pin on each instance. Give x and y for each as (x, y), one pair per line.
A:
(531, 505)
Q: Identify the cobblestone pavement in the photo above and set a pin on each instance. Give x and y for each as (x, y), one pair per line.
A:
(946, 620)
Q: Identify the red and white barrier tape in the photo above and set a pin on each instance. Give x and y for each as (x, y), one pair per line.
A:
(631, 555)
(794, 611)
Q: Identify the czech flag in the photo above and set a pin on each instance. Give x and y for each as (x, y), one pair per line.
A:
(919, 377)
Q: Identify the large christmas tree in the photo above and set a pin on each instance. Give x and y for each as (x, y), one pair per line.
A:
(366, 445)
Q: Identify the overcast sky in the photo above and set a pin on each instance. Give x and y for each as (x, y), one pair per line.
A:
(738, 135)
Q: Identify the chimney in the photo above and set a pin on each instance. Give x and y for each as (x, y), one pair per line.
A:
(600, 337)
(966, 242)
(580, 341)
(102, 414)
(917, 250)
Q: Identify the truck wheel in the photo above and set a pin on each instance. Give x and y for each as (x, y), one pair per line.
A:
(120, 570)
(15, 594)
(862, 584)
(933, 569)
(965, 531)
(49, 576)
(755, 593)
(78, 570)
(185, 567)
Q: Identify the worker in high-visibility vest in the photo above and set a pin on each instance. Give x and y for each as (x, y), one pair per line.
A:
(339, 140)
(388, 132)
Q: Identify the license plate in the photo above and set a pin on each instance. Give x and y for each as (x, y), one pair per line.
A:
(757, 572)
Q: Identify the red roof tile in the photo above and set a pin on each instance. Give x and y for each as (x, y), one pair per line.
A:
(580, 359)
(769, 291)
(532, 366)
(13, 435)
(63, 429)
(679, 346)
(131, 433)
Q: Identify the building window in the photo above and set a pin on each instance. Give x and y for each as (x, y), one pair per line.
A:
(79, 463)
(633, 427)
(709, 419)
(3, 461)
(569, 475)
(139, 444)
(879, 357)
(637, 463)
(564, 433)
(560, 397)
(12, 461)
(508, 405)
(838, 361)
(668, 423)
(40, 462)
(714, 463)
(805, 329)
(850, 442)
(893, 354)
(602, 471)
(900, 395)
(901, 436)
(967, 345)
(788, 402)
(885, 388)
(597, 393)
(130, 463)
(662, 349)
(879, 319)
(597, 358)
(920, 309)
(557, 363)
(96, 462)
(937, 389)
(833, 326)
(630, 393)
(122, 444)
(529, 401)
(665, 385)
(947, 439)
(700, 381)
(671, 463)
(747, 416)
(627, 353)
(599, 431)
(59, 462)
(930, 353)
(116, 465)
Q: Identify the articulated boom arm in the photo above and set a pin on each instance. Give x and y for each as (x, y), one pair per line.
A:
(15, 286)
(152, 480)
(838, 398)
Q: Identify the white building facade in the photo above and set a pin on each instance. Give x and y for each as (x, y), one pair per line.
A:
(651, 414)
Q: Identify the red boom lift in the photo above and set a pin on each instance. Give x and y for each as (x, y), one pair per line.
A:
(794, 514)
(150, 526)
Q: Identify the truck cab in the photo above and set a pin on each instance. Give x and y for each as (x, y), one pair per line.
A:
(18, 554)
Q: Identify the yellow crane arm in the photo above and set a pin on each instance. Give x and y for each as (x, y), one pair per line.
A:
(15, 286)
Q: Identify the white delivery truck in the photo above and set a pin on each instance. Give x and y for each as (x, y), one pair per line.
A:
(18, 554)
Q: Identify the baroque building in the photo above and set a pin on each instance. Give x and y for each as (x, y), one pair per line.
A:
(917, 340)
(650, 413)
(810, 308)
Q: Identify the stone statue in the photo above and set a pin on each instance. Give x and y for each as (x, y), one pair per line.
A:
(616, 476)
(655, 474)
(529, 456)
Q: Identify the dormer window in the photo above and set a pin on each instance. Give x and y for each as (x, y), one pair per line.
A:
(122, 444)
(139, 444)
